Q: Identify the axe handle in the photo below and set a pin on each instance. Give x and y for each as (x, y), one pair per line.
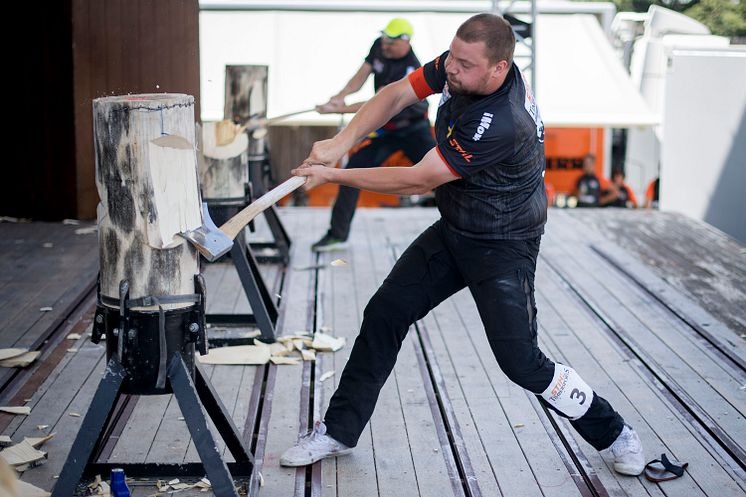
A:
(234, 225)
(261, 122)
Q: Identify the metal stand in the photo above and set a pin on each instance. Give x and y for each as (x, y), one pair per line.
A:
(260, 173)
(264, 315)
(152, 353)
(192, 396)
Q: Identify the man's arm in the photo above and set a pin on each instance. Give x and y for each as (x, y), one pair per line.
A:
(337, 102)
(372, 115)
(427, 174)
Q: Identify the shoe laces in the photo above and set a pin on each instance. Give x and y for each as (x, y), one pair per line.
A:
(626, 443)
(319, 430)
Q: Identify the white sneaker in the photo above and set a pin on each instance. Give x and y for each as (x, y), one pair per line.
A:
(627, 450)
(313, 447)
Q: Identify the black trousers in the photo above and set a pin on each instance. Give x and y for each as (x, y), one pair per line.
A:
(415, 141)
(440, 262)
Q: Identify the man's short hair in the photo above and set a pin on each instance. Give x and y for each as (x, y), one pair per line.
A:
(494, 31)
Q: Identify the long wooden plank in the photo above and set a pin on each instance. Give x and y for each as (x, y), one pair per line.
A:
(428, 417)
(691, 255)
(285, 414)
(661, 426)
(66, 430)
(341, 310)
(390, 430)
(54, 277)
(701, 380)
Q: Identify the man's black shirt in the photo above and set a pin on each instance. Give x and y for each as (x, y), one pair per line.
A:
(387, 71)
(589, 190)
(495, 143)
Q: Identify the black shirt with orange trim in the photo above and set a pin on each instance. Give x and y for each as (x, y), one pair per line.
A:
(495, 144)
(386, 71)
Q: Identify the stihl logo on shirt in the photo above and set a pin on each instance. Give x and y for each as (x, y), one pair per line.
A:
(457, 146)
(484, 125)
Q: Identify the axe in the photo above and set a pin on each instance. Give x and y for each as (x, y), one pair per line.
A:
(226, 131)
(213, 242)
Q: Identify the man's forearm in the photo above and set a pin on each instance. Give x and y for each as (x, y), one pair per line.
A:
(374, 113)
(393, 180)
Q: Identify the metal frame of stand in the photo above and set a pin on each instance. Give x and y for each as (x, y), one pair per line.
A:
(132, 368)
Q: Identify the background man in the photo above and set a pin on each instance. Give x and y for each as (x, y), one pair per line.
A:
(618, 193)
(588, 187)
(390, 59)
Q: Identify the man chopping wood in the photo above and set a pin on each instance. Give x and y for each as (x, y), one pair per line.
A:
(390, 58)
(487, 172)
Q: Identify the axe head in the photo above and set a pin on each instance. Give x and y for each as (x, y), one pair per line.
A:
(209, 240)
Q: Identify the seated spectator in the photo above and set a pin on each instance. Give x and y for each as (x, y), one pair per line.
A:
(651, 194)
(618, 193)
(588, 188)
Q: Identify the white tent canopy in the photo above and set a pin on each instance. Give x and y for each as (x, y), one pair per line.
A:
(311, 55)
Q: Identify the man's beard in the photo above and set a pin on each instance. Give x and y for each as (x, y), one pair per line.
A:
(458, 89)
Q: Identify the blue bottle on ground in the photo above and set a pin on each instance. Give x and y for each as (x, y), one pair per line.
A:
(119, 486)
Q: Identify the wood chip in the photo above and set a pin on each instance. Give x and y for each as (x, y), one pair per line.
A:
(45, 309)
(22, 453)
(28, 490)
(73, 414)
(338, 262)
(86, 231)
(327, 343)
(275, 349)
(308, 268)
(326, 375)
(174, 481)
(298, 335)
(73, 336)
(5, 441)
(99, 487)
(518, 425)
(21, 361)
(290, 361)
(237, 355)
(37, 442)
(8, 353)
(204, 484)
(71, 222)
(308, 355)
(42, 427)
(23, 410)
(72, 350)
(181, 486)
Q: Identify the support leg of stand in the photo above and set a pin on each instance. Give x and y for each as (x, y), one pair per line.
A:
(219, 415)
(282, 240)
(256, 291)
(205, 443)
(90, 431)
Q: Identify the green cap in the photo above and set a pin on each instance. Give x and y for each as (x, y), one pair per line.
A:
(398, 28)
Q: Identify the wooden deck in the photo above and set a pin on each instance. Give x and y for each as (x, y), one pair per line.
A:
(629, 299)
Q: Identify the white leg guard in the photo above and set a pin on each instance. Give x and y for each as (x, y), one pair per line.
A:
(568, 393)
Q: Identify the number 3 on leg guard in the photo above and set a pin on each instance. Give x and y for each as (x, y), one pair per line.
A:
(568, 393)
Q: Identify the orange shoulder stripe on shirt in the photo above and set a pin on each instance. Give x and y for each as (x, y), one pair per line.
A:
(437, 149)
(419, 84)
